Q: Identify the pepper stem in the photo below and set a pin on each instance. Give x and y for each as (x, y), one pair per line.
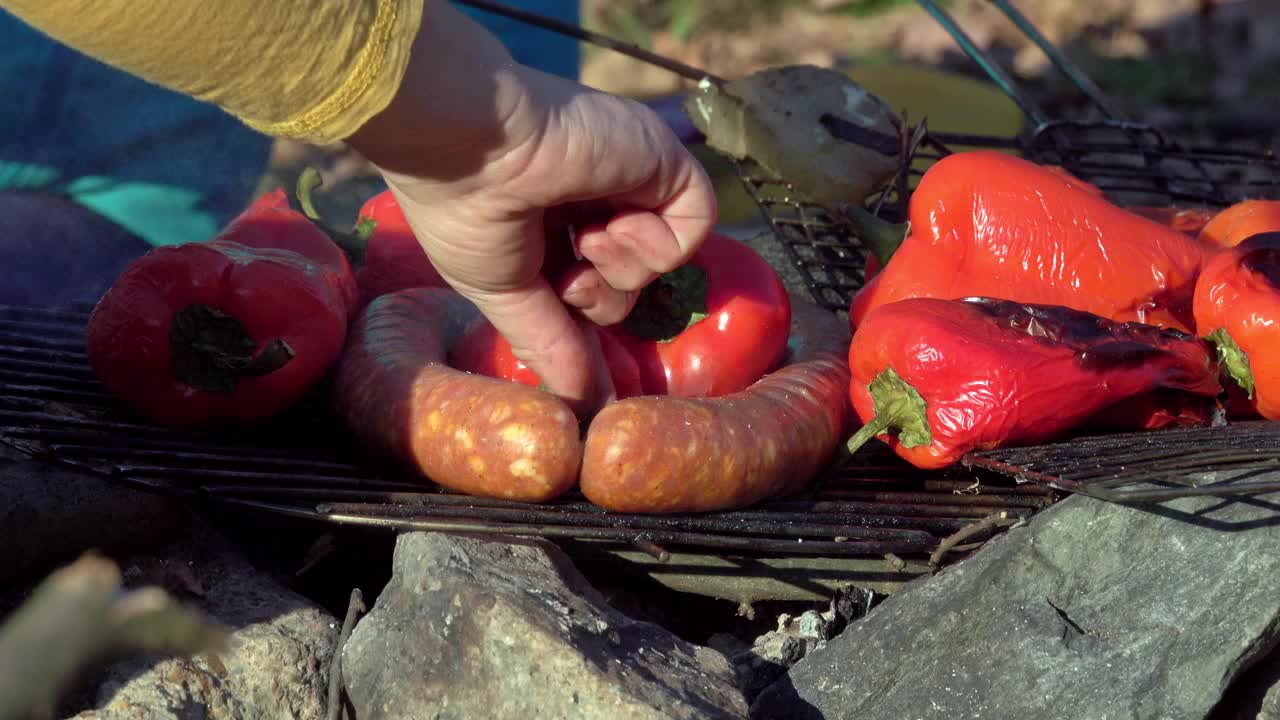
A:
(669, 305)
(898, 407)
(211, 351)
(308, 181)
(352, 244)
(1233, 359)
(881, 237)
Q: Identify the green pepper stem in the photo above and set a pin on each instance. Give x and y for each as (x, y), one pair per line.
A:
(352, 244)
(274, 355)
(899, 407)
(872, 428)
(308, 181)
(881, 237)
(669, 305)
(1233, 360)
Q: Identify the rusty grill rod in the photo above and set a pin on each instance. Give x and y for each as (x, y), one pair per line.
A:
(722, 542)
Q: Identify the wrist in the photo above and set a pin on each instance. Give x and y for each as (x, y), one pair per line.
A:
(457, 93)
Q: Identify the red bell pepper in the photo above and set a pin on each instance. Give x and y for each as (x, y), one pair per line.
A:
(1237, 307)
(393, 258)
(484, 351)
(206, 333)
(710, 327)
(985, 223)
(937, 378)
(1163, 408)
(1237, 223)
(271, 224)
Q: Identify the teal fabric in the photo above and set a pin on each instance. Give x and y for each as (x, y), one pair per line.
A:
(165, 166)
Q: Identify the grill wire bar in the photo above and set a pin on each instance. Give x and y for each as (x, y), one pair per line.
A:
(1235, 460)
(989, 66)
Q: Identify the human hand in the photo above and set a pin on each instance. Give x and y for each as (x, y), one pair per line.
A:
(492, 163)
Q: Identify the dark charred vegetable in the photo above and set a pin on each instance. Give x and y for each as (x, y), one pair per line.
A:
(937, 378)
(810, 126)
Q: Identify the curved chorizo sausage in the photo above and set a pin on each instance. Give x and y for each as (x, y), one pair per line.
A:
(657, 454)
(476, 435)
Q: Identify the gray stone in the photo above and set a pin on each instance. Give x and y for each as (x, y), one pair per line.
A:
(1256, 695)
(276, 666)
(471, 628)
(50, 515)
(1092, 610)
(796, 636)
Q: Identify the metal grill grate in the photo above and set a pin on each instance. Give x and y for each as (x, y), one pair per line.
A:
(1131, 164)
(1232, 460)
(52, 407)
(1138, 165)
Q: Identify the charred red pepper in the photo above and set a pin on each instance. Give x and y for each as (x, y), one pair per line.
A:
(937, 378)
(1157, 410)
(1237, 308)
(710, 327)
(986, 223)
(205, 333)
(393, 257)
(484, 351)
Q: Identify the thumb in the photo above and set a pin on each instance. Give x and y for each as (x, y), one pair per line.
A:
(549, 340)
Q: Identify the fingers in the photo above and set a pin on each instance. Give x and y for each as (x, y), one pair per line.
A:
(671, 213)
(585, 288)
(549, 341)
(661, 204)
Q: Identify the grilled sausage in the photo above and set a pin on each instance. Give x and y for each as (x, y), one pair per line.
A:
(470, 433)
(663, 454)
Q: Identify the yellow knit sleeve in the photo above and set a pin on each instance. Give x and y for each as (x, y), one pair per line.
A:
(314, 70)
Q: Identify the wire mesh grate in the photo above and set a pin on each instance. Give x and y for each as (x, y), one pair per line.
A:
(1238, 459)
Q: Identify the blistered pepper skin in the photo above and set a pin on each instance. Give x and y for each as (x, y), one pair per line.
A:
(994, 373)
(1239, 293)
(986, 223)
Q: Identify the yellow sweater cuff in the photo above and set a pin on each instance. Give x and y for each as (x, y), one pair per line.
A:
(367, 89)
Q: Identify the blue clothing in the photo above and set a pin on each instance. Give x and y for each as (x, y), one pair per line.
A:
(545, 50)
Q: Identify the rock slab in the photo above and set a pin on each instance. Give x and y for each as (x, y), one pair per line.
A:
(1093, 610)
(471, 628)
(277, 663)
